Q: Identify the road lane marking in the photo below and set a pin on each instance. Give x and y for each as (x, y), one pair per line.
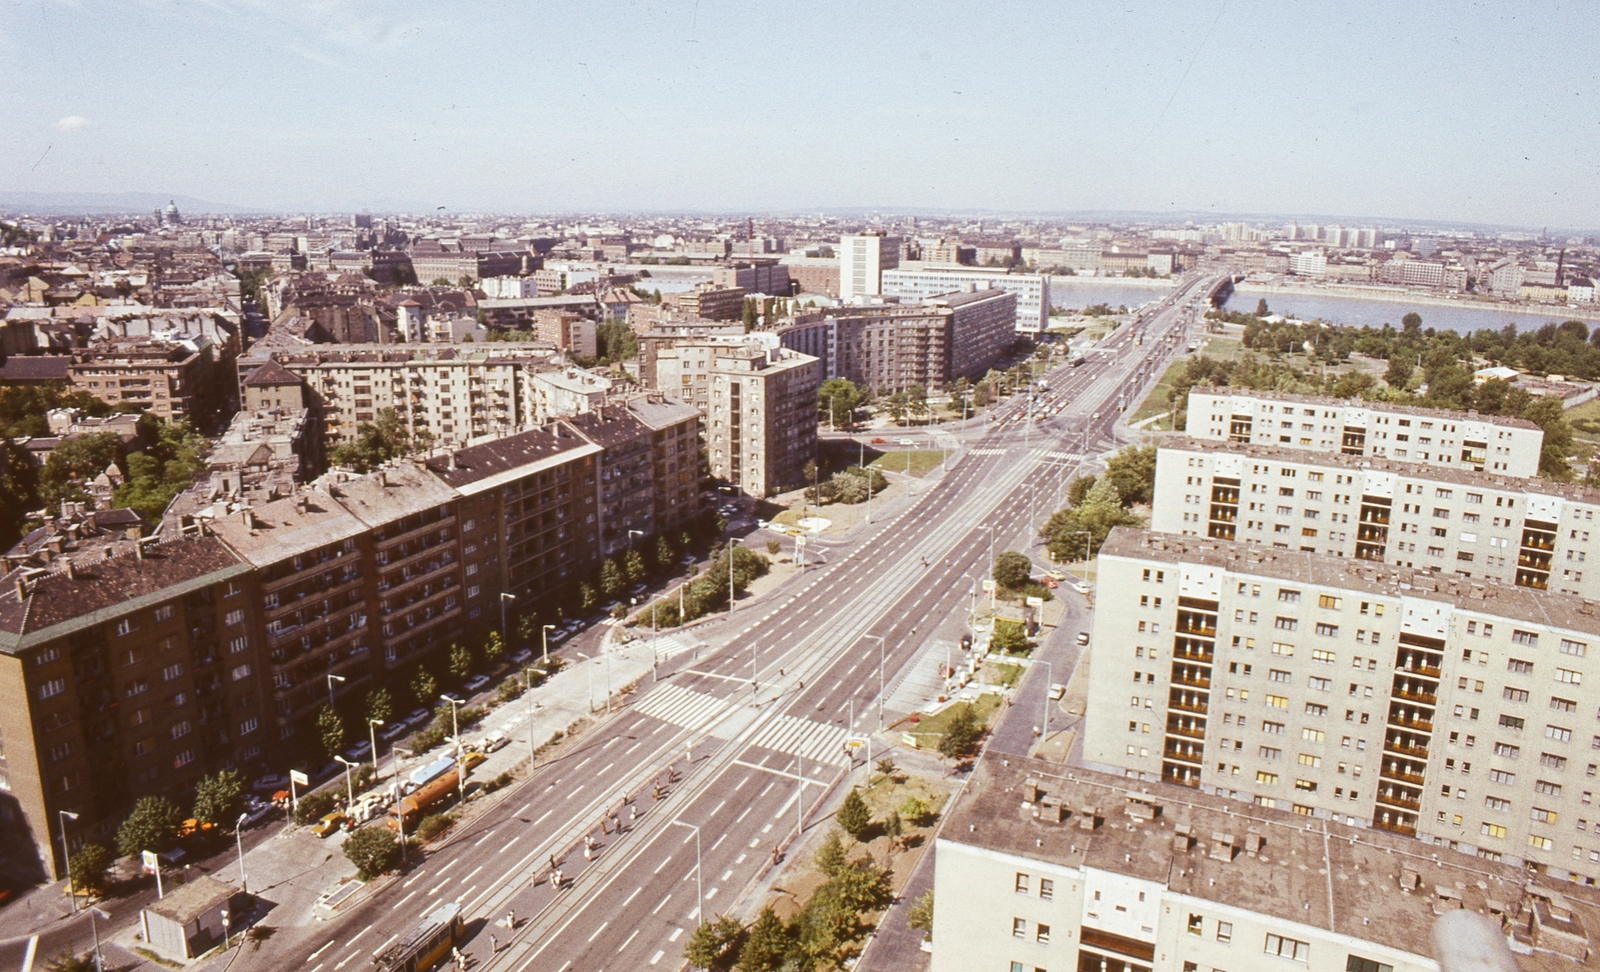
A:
(358, 934)
(391, 941)
(448, 866)
(742, 815)
(739, 859)
(711, 894)
(325, 946)
(635, 894)
(675, 933)
(486, 836)
(768, 827)
(719, 806)
(657, 957)
(720, 839)
(524, 809)
(465, 893)
(661, 865)
(663, 904)
(474, 873)
(628, 941)
(726, 874)
(541, 818)
(439, 888)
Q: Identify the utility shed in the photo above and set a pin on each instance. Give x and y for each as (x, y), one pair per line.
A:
(188, 922)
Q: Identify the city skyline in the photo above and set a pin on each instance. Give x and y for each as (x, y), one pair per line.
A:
(327, 108)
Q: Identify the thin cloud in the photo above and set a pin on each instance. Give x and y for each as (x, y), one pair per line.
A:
(72, 123)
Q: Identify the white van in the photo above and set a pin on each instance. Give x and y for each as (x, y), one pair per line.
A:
(492, 742)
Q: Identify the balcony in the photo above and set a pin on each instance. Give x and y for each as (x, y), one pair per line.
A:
(1402, 775)
(1417, 694)
(1399, 800)
(1198, 706)
(1411, 722)
(1401, 749)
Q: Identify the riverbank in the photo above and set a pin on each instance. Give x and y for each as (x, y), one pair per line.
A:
(1424, 298)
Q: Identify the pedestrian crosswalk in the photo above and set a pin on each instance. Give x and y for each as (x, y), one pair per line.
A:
(681, 706)
(667, 646)
(1063, 456)
(804, 738)
(988, 452)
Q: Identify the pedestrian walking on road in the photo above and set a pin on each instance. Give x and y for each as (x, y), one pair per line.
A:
(588, 852)
(552, 862)
(511, 919)
(460, 960)
(494, 945)
(604, 829)
(558, 879)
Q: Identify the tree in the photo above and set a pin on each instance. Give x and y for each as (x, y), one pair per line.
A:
(87, 870)
(1133, 472)
(962, 733)
(1411, 322)
(887, 767)
(1011, 569)
(664, 552)
(837, 399)
(1078, 489)
(460, 661)
(587, 598)
(75, 462)
(380, 707)
(424, 687)
(330, 730)
(893, 828)
(713, 943)
(612, 583)
(373, 850)
(66, 961)
(152, 826)
(749, 314)
(766, 945)
(1547, 413)
(378, 442)
(854, 816)
(897, 406)
(808, 473)
(1261, 308)
(1100, 512)
(917, 400)
(920, 914)
(914, 811)
(314, 806)
(633, 566)
(219, 799)
(1008, 636)
(830, 857)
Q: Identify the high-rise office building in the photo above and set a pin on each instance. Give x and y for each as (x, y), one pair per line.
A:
(1032, 289)
(862, 260)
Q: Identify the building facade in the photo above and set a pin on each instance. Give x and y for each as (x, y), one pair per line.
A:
(1038, 868)
(761, 418)
(173, 382)
(1531, 533)
(1031, 289)
(1464, 440)
(1450, 709)
(862, 261)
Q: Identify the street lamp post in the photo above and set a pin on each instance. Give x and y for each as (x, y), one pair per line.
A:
(238, 839)
(1044, 726)
(699, 887)
(372, 735)
(532, 705)
(62, 816)
(400, 817)
(331, 679)
(879, 640)
(1088, 541)
(544, 636)
(730, 577)
(505, 633)
(349, 782)
(94, 928)
(455, 730)
(631, 535)
(227, 940)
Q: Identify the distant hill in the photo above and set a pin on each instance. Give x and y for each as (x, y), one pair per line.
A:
(74, 203)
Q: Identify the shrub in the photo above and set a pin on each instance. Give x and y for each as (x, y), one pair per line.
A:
(854, 816)
(435, 824)
(373, 850)
(88, 870)
(314, 806)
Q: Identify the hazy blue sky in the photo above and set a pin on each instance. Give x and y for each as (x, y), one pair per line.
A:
(1473, 112)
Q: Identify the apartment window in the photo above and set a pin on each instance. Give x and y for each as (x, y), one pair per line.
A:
(162, 613)
(238, 644)
(1285, 624)
(1271, 728)
(1501, 776)
(54, 686)
(1288, 948)
(1495, 803)
(1279, 675)
(236, 616)
(1307, 759)
(1322, 655)
(1224, 931)
(1553, 761)
(1569, 676)
(1328, 630)
(1320, 684)
(1313, 735)
(1563, 705)
(240, 673)
(1546, 788)
(1511, 694)
(183, 759)
(1578, 648)
(1558, 734)
(1021, 886)
(1278, 701)
(171, 672)
(1283, 648)
(1042, 934)
(1512, 722)
(1197, 924)
(124, 626)
(1540, 815)
(1329, 601)
(1268, 752)
(1307, 786)
(1542, 843)
(1262, 776)
(1492, 829)
(1524, 638)
(1518, 666)
(1019, 928)
(1313, 709)
(1507, 750)
(1047, 888)
(181, 729)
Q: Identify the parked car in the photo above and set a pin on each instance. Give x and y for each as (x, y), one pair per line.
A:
(270, 783)
(418, 718)
(477, 683)
(330, 823)
(1083, 637)
(637, 590)
(255, 811)
(1057, 690)
(522, 657)
(493, 741)
(359, 751)
(392, 731)
(469, 760)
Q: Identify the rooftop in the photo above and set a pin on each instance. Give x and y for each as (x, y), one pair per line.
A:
(1479, 594)
(1414, 470)
(486, 464)
(279, 529)
(392, 493)
(1385, 407)
(1363, 883)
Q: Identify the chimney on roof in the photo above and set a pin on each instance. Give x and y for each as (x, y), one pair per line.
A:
(66, 566)
(451, 460)
(22, 589)
(248, 517)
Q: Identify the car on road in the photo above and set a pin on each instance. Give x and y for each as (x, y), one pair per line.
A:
(493, 741)
(393, 731)
(1048, 581)
(687, 559)
(1083, 638)
(358, 752)
(476, 683)
(557, 635)
(256, 812)
(904, 441)
(417, 718)
(1080, 587)
(877, 441)
(270, 783)
(330, 823)
(522, 657)
(1057, 690)
(1056, 574)
(469, 760)
(637, 590)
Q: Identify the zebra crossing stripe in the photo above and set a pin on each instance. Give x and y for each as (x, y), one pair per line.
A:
(815, 741)
(680, 706)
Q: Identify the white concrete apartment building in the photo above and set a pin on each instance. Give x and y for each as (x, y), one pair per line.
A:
(1040, 867)
(1468, 440)
(1532, 533)
(761, 418)
(1455, 710)
(1032, 289)
(452, 394)
(862, 261)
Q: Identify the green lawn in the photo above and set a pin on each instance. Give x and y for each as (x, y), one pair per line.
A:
(1000, 673)
(922, 461)
(1585, 422)
(933, 727)
(1156, 402)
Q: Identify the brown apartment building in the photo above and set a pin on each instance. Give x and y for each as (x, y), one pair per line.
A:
(174, 382)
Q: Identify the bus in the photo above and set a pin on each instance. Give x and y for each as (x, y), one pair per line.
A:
(426, 946)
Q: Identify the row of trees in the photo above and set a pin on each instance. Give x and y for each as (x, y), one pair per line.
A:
(708, 592)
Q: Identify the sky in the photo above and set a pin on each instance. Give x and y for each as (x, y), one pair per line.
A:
(1472, 113)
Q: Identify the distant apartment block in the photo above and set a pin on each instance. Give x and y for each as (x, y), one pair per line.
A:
(890, 347)
(1465, 440)
(1456, 710)
(1530, 533)
(771, 279)
(862, 262)
(711, 302)
(1031, 289)
(175, 382)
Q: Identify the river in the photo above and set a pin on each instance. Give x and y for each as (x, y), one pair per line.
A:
(1359, 311)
